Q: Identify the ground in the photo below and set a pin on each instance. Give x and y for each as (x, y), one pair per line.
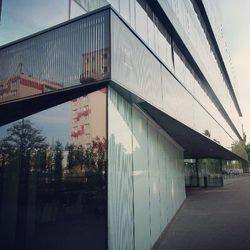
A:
(214, 218)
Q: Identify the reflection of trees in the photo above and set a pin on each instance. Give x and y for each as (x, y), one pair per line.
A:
(58, 157)
(23, 141)
(90, 158)
(240, 148)
(88, 162)
(51, 189)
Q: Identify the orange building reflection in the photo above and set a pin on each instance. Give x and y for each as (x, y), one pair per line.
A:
(23, 85)
(88, 116)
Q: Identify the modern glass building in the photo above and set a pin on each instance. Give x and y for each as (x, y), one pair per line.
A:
(98, 114)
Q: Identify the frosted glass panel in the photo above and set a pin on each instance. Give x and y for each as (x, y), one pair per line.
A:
(133, 65)
(120, 188)
(154, 184)
(141, 181)
(145, 177)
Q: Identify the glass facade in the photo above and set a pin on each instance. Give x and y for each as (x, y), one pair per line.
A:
(19, 76)
(145, 177)
(203, 172)
(73, 54)
(191, 28)
(138, 70)
(96, 172)
(53, 178)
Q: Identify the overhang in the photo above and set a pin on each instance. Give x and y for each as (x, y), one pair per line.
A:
(195, 145)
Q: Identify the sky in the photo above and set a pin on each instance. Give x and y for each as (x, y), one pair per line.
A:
(233, 14)
(54, 124)
(235, 18)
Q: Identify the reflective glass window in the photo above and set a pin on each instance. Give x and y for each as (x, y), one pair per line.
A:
(53, 178)
(125, 10)
(132, 13)
(141, 19)
(151, 37)
(76, 53)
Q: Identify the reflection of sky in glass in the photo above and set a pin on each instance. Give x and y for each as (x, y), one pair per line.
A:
(56, 55)
(54, 124)
(21, 18)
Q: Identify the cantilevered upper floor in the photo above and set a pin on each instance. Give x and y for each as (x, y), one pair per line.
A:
(156, 57)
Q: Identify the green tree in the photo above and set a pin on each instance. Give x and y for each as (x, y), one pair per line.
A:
(248, 150)
(239, 148)
(5, 152)
(71, 156)
(25, 140)
(39, 159)
(79, 156)
(58, 157)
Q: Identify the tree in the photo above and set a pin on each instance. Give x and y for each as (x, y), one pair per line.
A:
(58, 157)
(248, 150)
(25, 140)
(100, 151)
(79, 156)
(239, 148)
(5, 153)
(71, 156)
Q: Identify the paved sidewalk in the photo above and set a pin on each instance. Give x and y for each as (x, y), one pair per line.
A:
(214, 218)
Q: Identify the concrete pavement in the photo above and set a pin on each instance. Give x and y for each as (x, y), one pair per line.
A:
(213, 218)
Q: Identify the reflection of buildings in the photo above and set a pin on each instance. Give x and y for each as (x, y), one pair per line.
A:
(164, 93)
(95, 65)
(24, 85)
(87, 117)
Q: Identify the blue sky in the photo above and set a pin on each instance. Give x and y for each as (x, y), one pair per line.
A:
(29, 16)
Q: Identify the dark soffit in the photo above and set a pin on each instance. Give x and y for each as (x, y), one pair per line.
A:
(195, 145)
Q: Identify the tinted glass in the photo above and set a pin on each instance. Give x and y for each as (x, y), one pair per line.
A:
(53, 178)
(76, 53)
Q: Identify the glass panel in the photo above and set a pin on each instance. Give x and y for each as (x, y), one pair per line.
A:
(132, 13)
(90, 5)
(120, 184)
(154, 184)
(133, 65)
(115, 4)
(136, 69)
(124, 9)
(188, 23)
(145, 177)
(141, 181)
(141, 19)
(53, 178)
(76, 53)
(151, 27)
